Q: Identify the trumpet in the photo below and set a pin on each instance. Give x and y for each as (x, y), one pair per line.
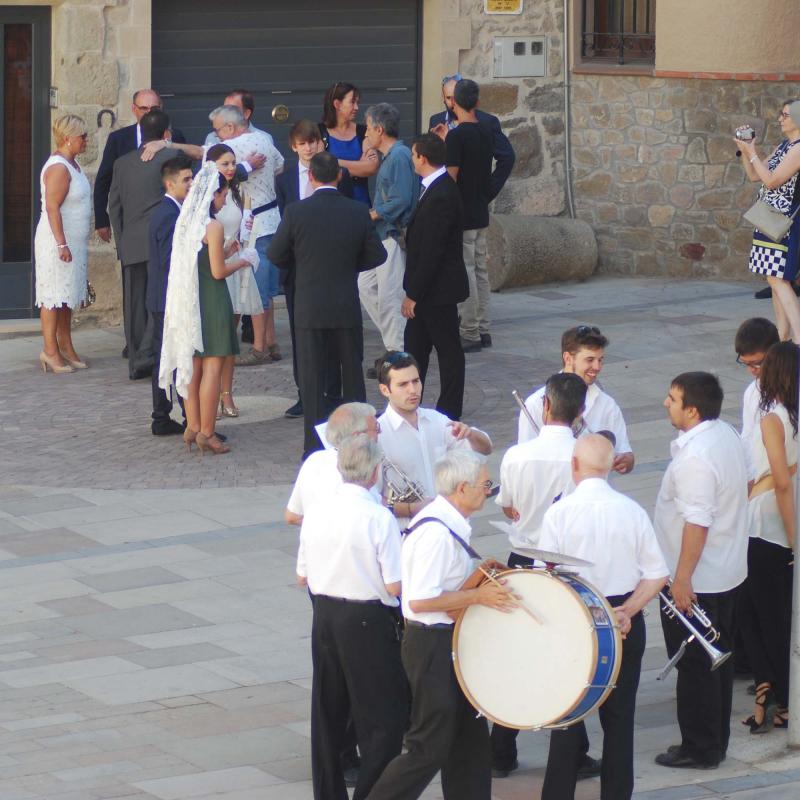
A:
(399, 487)
(704, 633)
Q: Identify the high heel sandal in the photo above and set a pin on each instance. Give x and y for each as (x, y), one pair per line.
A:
(765, 699)
(48, 361)
(781, 718)
(224, 411)
(189, 438)
(211, 443)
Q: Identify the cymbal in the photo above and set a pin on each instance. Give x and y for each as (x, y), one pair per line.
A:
(552, 558)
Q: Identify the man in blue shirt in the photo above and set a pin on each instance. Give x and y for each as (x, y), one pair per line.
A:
(396, 194)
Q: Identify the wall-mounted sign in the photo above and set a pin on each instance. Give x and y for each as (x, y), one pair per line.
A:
(502, 6)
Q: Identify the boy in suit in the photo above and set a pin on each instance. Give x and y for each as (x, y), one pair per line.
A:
(176, 177)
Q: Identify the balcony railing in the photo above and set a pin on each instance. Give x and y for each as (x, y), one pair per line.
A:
(621, 30)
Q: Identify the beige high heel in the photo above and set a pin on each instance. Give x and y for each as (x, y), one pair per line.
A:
(189, 438)
(48, 361)
(224, 411)
(211, 443)
(76, 364)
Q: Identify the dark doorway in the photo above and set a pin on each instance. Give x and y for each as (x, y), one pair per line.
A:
(24, 145)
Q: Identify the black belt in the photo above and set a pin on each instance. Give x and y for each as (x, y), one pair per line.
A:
(354, 602)
(438, 626)
(265, 207)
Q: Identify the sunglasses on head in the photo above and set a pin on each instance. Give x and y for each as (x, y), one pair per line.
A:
(585, 330)
(391, 360)
(447, 78)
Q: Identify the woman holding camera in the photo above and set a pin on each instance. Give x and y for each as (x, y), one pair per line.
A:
(778, 261)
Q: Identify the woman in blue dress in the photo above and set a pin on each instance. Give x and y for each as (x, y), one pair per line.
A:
(344, 138)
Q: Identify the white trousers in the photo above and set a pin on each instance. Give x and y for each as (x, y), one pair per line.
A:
(381, 292)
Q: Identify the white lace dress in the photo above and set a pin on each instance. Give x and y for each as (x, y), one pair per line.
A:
(242, 284)
(64, 282)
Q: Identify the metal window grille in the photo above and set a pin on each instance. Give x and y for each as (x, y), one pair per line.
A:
(620, 30)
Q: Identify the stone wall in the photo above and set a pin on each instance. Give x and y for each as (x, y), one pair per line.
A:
(655, 172)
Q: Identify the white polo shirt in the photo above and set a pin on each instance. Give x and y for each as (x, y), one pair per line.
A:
(611, 531)
(433, 561)
(416, 450)
(601, 414)
(533, 476)
(751, 424)
(706, 484)
(350, 547)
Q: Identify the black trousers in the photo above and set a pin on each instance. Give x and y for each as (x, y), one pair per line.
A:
(355, 651)
(764, 609)
(162, 404)
(704, 697)
(504, 740)
(616, 717)
(437, 327)
(138, 337)
(316, 348)
(445, 733)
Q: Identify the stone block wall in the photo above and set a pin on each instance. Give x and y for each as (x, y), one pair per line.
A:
(655, 172)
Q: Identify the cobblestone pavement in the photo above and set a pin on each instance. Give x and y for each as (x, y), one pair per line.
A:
(152, 642)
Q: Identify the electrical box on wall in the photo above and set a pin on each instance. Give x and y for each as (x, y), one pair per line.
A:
(520, 56)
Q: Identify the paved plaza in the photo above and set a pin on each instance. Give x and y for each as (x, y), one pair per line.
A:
(152, 641)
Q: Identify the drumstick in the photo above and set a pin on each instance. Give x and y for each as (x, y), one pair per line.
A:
(523, 607)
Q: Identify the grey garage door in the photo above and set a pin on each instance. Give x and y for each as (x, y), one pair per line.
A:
(287, 52)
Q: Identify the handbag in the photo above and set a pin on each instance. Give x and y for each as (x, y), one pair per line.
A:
(768, 221)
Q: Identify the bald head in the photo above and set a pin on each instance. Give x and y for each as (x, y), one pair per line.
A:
(350, 419)
(593, 457)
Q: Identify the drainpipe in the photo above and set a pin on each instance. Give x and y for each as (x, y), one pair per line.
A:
(567, 127)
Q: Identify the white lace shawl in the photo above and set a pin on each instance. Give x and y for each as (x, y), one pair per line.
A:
(183, 333)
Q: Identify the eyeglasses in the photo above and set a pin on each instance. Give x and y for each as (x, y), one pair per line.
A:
(585, 330)
(784, 115)
(147, 109)
(749, 364)
(447, 78)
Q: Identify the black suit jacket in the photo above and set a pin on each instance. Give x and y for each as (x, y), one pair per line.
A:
(502, 151)
(287, 186)
(435, 272)
(162, 228)
(326, 240)
(119, 142)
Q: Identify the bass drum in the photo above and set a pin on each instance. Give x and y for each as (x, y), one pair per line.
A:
(549, 674)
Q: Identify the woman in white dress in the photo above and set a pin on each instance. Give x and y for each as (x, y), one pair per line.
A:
(241, 284)
(61, 244)
(765, 611)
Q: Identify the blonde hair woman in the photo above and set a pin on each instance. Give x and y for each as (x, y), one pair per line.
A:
(61, 244)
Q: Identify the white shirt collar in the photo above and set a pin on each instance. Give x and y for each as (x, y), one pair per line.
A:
(556, 432)
(592, 486)
(167, 194)
(325, 188)
(426, 182)
(395, 420)
(687, 436)
(441, 508)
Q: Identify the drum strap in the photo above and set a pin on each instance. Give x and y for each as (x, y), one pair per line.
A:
(470, 551)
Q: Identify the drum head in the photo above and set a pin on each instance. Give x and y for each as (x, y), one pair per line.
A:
(520, 673)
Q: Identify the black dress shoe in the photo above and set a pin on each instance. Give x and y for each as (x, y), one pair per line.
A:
(486, 340)
(469, 346)
(125, 351)
(167, 428)
(351, 776)
(589, 768)
(504, 772)
(764, 294)
(295, 411)
(140, 374)
(676, 758)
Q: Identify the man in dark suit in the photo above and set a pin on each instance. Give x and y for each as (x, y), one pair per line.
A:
(503, 152)
(436, 279)
(176, 177)
(135, 192)
(325, 241)
(292, 185)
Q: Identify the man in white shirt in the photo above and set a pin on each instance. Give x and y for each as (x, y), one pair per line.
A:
(349, 557)
(246, 103)
(415, 438)
(583, 352)
(533, 476)
(701, 524)
(438, 580)
(614, 534)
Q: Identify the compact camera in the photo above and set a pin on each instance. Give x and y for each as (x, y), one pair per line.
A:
(745, 134)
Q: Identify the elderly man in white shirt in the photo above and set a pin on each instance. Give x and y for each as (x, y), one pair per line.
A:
(583, 353)
(415, 438)
(701, 524)
(615, 535)
(350, 558)
(440, 579)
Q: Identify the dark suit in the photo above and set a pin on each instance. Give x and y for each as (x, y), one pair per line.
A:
(436, 280)
(287, 191)
(162, 228)
(325, 241)
(502, 151)
(136, 191)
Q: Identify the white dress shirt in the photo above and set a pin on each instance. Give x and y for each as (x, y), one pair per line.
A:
(601, 414)
(612, 531)
(416, 450)
(305, 184)
(350, 547)
(706, 484)
(751, 423)
(764, 519)
(212, 139)
(433, 561)
(426, 182)
(533, 476)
